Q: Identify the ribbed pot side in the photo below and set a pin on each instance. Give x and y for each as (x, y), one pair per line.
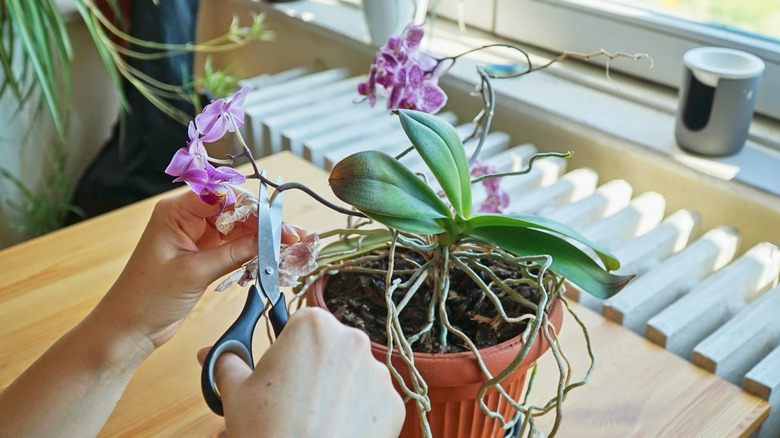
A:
(454, 379)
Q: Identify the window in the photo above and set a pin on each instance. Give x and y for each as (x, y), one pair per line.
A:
(662, 28)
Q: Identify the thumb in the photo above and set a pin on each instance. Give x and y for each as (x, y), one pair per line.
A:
(218, 261)
(230, 372)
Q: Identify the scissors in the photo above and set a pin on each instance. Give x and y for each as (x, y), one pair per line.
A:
(238, 338)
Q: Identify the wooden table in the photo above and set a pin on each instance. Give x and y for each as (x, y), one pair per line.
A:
(48, 284)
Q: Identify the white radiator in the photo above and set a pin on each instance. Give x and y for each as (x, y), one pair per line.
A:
(691, 296)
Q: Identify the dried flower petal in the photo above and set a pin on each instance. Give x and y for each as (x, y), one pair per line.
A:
(244, 275)
(294, 230)
(237, 274)
(246, 204)
(298, 259)
(295, 260)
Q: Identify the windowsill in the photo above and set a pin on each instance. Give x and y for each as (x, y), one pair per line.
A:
(637, 116)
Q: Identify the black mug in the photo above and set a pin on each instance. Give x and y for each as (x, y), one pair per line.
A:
(716, 100)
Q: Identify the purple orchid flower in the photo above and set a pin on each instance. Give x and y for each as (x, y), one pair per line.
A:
(408, 77)
(213, 184)
(218, 117)
(193, 156)
(413, 91)
(497, 199)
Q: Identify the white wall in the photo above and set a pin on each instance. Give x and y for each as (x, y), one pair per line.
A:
(25, 138)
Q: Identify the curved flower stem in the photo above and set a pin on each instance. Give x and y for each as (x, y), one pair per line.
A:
(526, 170)
(452, 59)
(314, 195)
(286, 186)
(489, 97)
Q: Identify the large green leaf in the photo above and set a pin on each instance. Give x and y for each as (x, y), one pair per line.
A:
(543, 223)
(384, 189)
(568, 260)
(440, 147)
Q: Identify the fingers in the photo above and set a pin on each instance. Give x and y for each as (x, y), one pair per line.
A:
(191, 203)
(211, 264)
(201, 355)
(291, 233)
(229, 370)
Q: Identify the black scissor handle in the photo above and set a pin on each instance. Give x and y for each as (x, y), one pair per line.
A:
(277, 314)
(237, 339)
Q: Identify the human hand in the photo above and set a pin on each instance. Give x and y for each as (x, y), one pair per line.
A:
(179, 254)
(318, 379)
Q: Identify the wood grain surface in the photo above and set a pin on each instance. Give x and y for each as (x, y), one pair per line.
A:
(48, 284)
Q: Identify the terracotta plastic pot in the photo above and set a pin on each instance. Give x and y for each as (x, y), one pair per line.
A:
(454, 380)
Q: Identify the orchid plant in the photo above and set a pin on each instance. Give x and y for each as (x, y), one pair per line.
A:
(436, 221)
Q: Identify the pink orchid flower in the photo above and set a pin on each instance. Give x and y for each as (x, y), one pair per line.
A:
(497, 199)
(407, 76)
(219, 117)
(193, 156)
(213, 184)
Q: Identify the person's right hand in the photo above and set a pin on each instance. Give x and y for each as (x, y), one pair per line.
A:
(317, 380)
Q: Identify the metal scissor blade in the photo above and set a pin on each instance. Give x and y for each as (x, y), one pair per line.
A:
(276, 219)
(267, 248)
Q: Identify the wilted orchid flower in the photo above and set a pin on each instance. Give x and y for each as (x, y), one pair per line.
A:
(213, 184)
(193, 156)
(243, 275)
(219, 117)
(297, 259)
(245, 205)
(408, 77)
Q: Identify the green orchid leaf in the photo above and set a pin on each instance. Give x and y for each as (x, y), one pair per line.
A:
(411, 225)
(440, 147)
(384, 189)
(568, 260)
(354, 246)
(542, 223)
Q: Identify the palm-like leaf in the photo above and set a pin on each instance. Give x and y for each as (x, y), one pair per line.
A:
(46, 47)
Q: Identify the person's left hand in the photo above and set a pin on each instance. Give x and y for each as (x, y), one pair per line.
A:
(179, 255)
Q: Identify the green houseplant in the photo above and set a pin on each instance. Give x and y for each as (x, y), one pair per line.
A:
(474, 282)
(435, 239)
(438, 261)
(517, 263)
